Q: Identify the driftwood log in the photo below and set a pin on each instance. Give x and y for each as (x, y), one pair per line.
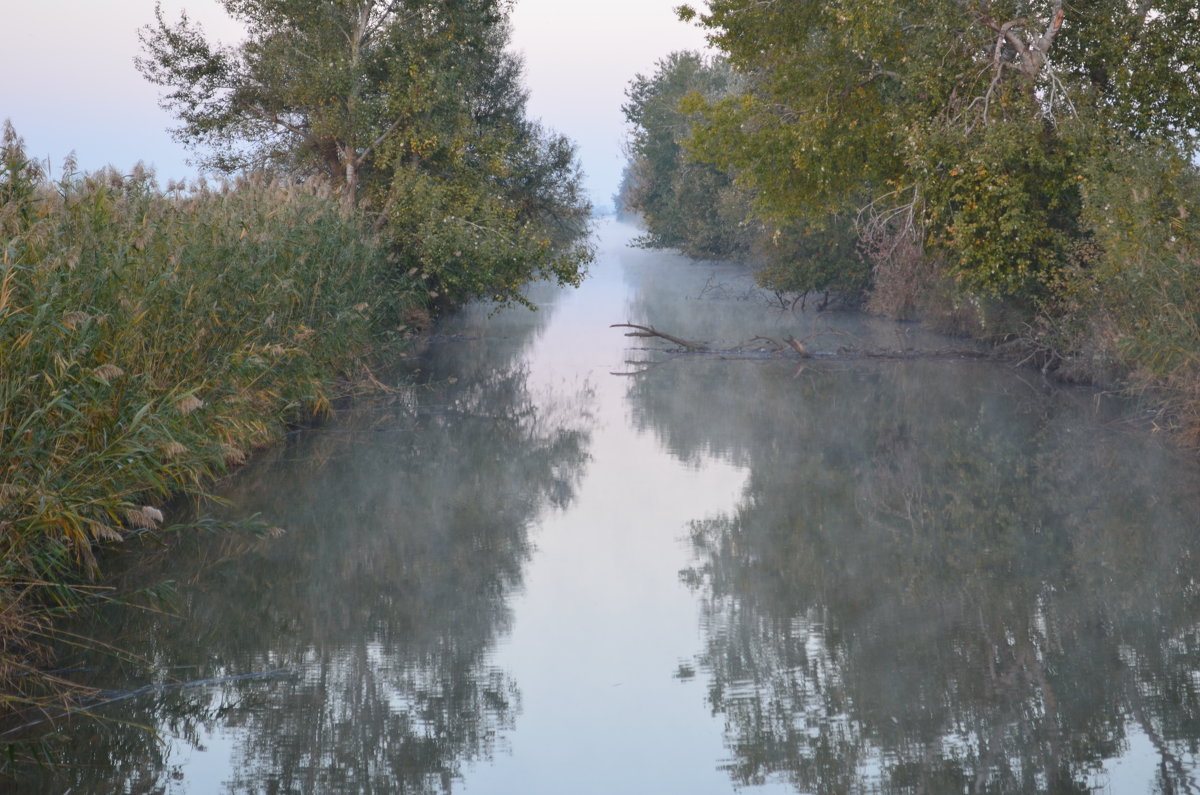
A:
(650, 331)
(790, 346)
(703, 347)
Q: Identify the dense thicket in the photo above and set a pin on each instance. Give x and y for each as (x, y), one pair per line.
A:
(954, 160)
(413, 108)
(150, 340)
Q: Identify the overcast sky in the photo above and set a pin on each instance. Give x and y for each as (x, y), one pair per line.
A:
(68, 83)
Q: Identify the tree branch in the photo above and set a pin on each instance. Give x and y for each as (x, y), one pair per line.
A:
(650, 331)
(380, 138)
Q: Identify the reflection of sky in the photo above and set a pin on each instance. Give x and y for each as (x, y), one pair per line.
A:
(603, 623)
(601, 628)
(1133, 772)
(209, 759)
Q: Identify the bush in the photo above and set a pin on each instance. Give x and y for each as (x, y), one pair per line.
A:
(1002, 204)
(457, 240)
(813, 257)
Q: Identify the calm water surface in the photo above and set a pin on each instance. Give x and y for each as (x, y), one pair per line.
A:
(574, 564)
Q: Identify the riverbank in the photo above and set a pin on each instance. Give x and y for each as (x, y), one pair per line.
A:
(151, 340)
(1067, 235)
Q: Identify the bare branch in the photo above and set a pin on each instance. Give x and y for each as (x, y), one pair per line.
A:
(650, 331)
(797, 346)
(1044, 42)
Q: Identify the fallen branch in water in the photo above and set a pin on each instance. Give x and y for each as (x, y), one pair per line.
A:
(792, 346)
(778, 346)
(703, 347)
(650, 331)
(791, 342)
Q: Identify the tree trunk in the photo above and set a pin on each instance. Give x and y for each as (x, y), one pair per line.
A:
(350, 186)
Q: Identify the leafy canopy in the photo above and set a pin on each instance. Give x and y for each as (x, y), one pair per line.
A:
(408, 106)
(980, 114)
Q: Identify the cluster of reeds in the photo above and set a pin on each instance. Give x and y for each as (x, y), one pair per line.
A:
(149, 339)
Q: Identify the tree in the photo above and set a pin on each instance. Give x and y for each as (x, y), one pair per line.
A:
(853, 106)
(384, 97)
(683, 202)
(1137, 63)
(701, 208)
(317, 86)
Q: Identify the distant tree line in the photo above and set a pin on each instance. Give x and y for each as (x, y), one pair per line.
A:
(1013, 169)
(700, 206)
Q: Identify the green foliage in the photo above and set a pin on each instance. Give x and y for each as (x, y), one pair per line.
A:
(466, 243)
(1131, 301)
(803, 258)
(827, 98)
(316, 86)
(683, 202)
(478, 210)
(411, 105)
(149, 341)
(1002, 204)
(984, 117)
(1031, 156)
(687, 201)
(1136, 64)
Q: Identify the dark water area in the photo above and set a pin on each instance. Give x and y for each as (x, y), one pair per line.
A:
(572, 563)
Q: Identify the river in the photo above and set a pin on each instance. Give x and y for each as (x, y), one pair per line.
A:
(569, 562)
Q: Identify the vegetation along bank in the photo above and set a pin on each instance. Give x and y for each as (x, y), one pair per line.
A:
(1026, 173)
(380, 165)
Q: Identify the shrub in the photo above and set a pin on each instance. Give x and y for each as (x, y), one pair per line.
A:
(1002, 204)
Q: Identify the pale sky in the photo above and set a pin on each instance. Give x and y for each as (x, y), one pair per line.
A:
(68, 83)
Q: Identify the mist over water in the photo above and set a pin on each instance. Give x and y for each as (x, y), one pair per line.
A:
(571, 562)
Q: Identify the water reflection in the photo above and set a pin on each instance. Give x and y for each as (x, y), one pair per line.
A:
(353, 652)
(719, 303)
(939, 579)
(910, 576)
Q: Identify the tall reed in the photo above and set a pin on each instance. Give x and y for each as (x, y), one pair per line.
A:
(148, 340)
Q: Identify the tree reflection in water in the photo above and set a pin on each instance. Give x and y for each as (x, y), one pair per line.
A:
(938, 580)
(407, 530)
